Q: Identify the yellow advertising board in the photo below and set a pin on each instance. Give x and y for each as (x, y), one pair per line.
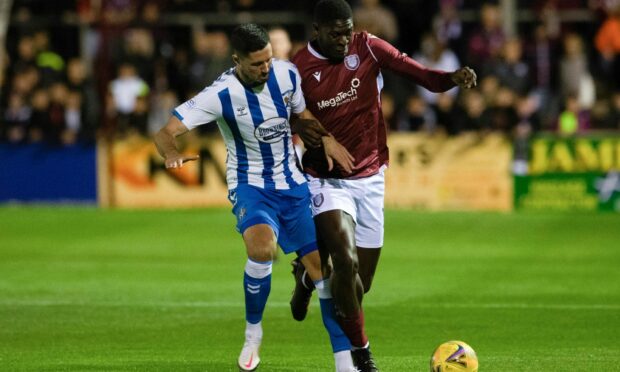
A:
(467, 172)
(436, 172)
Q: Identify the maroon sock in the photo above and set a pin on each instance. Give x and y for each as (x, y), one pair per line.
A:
(353, 327)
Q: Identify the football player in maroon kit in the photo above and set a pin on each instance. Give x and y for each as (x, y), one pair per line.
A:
(342, 82)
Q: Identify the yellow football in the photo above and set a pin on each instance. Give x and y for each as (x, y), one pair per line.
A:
(454, 356)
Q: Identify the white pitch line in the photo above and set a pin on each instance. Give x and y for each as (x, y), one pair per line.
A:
(234, 304)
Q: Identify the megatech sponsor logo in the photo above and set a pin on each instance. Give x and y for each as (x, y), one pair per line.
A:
(341, 97)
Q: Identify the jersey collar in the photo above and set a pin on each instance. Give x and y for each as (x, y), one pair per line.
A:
(314, 52)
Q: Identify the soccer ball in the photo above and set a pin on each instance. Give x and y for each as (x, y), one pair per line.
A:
(454, 356)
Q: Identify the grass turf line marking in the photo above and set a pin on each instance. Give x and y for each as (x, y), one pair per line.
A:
(224, 304)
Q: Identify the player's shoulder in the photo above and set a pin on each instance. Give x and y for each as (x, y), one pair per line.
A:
(225, 81)
(363, 37)
(283, 65)
(302, 54)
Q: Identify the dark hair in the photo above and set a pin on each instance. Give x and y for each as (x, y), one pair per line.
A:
(248, 38)
(327, 11)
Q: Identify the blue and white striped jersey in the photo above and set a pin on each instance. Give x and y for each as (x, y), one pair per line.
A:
(255, 125)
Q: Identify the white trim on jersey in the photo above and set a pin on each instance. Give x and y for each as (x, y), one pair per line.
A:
(254, 123)
(314, 52)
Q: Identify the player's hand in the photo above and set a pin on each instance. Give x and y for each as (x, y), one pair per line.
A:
(335, 151)
(310, 132)
(465, 77)
(177, 161)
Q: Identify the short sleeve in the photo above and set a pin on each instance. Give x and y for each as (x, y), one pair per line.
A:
(202, 109)
(298, 103)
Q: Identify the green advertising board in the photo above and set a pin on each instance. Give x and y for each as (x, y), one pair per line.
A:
(577, 173)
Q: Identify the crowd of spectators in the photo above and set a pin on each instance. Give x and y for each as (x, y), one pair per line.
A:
(114, 67)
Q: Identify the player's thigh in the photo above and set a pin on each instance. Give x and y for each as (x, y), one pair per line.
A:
(334, 213)
(297, 230)
(369, 198)
(331, 194)
(257, 218)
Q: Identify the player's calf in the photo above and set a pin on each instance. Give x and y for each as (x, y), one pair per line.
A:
(302, 292)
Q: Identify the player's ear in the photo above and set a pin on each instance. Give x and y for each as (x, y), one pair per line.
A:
(235, 59)
(315, 29)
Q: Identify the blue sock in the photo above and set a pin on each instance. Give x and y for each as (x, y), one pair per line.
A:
(256, 286)
(338, 339)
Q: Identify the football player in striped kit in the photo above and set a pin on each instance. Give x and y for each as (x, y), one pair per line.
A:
(252, 104)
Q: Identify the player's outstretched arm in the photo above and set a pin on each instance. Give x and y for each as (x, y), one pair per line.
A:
(308, 128)
(465, 77)
(166, 144)
(335, 151)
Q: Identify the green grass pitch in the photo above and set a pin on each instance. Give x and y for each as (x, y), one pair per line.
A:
(83, 289)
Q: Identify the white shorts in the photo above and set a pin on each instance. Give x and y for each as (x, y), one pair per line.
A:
(362, 198)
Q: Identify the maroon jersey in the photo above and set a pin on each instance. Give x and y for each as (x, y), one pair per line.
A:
(345, 98)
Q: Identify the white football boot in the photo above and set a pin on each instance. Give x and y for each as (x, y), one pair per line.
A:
(249, 359)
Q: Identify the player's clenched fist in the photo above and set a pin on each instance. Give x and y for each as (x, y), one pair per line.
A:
(465, 77)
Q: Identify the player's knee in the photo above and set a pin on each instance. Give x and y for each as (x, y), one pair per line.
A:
(345, 264)
(366, 282)
(260, 244)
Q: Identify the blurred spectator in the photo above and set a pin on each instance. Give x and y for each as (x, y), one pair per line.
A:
(375, 18)
(446, 112)
(118, 12)
(510, 68)
(528, 124)
(501, 116)
(161, 107)
(447, 25)
(137, 121)
(40, 120)
(489, 87)
(435, 55)
(73, 117)
(542, 54)
(219, 53)
(26, 55)
(50, 64)
(79, 82)
(16, 119)
(575, 78)
(608, 45)
(471, 110)
(572, 119)
(199, 64)
(124, 95)
(281, 43)
(24, 81)
(417, 116)
(139, 49)
(57, 122)
(485, 43)
(211, 56)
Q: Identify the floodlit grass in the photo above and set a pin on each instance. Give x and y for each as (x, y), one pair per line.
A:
(83, 289)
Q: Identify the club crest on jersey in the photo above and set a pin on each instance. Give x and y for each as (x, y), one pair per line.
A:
(287, 97)
(352, 62)
(318, 200)
(272, 130)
